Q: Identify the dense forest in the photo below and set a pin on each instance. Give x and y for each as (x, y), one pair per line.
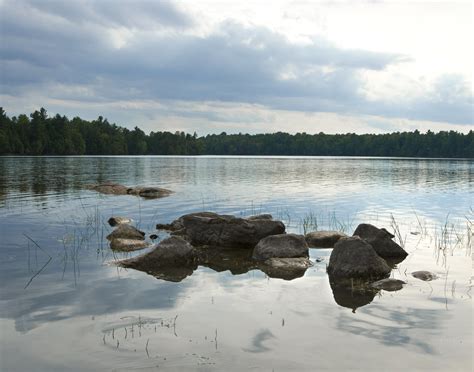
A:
(39, 134)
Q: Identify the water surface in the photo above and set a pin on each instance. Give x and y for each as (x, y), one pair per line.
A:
(63, 305)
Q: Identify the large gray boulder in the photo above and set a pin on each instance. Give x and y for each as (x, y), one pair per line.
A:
(173, 252)
(207, 228)
(380, 240)
(281, 246)
(323, 239)
(353, 257)
(125, 231)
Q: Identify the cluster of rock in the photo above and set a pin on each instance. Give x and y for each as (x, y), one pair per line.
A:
(225, 242)
(125, 237)
(111, 188)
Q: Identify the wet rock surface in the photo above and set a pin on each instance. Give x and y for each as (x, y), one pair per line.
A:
(380, 240)
(286, 268)
(281, 246)
(353, 257)
(323, 239)
(424, 275)
(128, 245)
(125, 231)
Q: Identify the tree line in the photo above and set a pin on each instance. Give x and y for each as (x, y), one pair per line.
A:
(40, 134)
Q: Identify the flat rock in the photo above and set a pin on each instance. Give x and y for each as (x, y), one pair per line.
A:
(424, 275)
(323, 239)
(109, 188)
(281, 246)
(388, 284)
(114, 221)
(380, 240)
(126, 232)
(128, 245)
(286, 268)
(353, 257)
(149, 192)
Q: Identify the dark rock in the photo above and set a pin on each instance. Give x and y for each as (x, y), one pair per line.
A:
(171, 253)
(153, 236)
(380, 240)
(114, 221)
(281, 246)
(323, 239)
(424, 275)
(260, 217)
(388, 284)
(126, 232)
(128, 245)
(355, 258)
(207, 228)
(149, 192)
(286, 268)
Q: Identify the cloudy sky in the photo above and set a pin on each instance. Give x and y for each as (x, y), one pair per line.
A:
(236, 66)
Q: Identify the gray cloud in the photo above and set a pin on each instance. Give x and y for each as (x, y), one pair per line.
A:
(70, 44)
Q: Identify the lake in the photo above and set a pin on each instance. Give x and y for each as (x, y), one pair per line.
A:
(65, 306)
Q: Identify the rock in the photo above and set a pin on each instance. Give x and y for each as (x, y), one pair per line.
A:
(281, 246)
(236, 260)
(323, 239)
(126, 232)
(388, 284)
(114, 221)
(424, 275)
(109, 188)
(286, 268)
(153, 236)
(149, 192)
(260, 217)
(207, 228)
(127, 245)
(353, 257)
(118, 189)
(380, 240)
(173, 252)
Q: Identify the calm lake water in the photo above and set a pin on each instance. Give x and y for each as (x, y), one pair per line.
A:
(65, 306)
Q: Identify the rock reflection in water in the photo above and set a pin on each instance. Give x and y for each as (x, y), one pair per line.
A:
(352, 294)
(238, 261)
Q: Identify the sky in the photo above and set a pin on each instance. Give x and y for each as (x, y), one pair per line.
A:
(242, 66)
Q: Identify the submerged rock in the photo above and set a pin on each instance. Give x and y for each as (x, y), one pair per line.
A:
(323, 239)
(424, 275)
(286, 268)
(112, 188)
(388, 284)
(126, 232)
(128, 245)
(149, 192)
(108, 188)
(281, 246)
(114, 221)
(380, 240)
(212, 229)
(353, 257)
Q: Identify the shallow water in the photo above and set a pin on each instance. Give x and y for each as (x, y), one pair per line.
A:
(64, 306)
